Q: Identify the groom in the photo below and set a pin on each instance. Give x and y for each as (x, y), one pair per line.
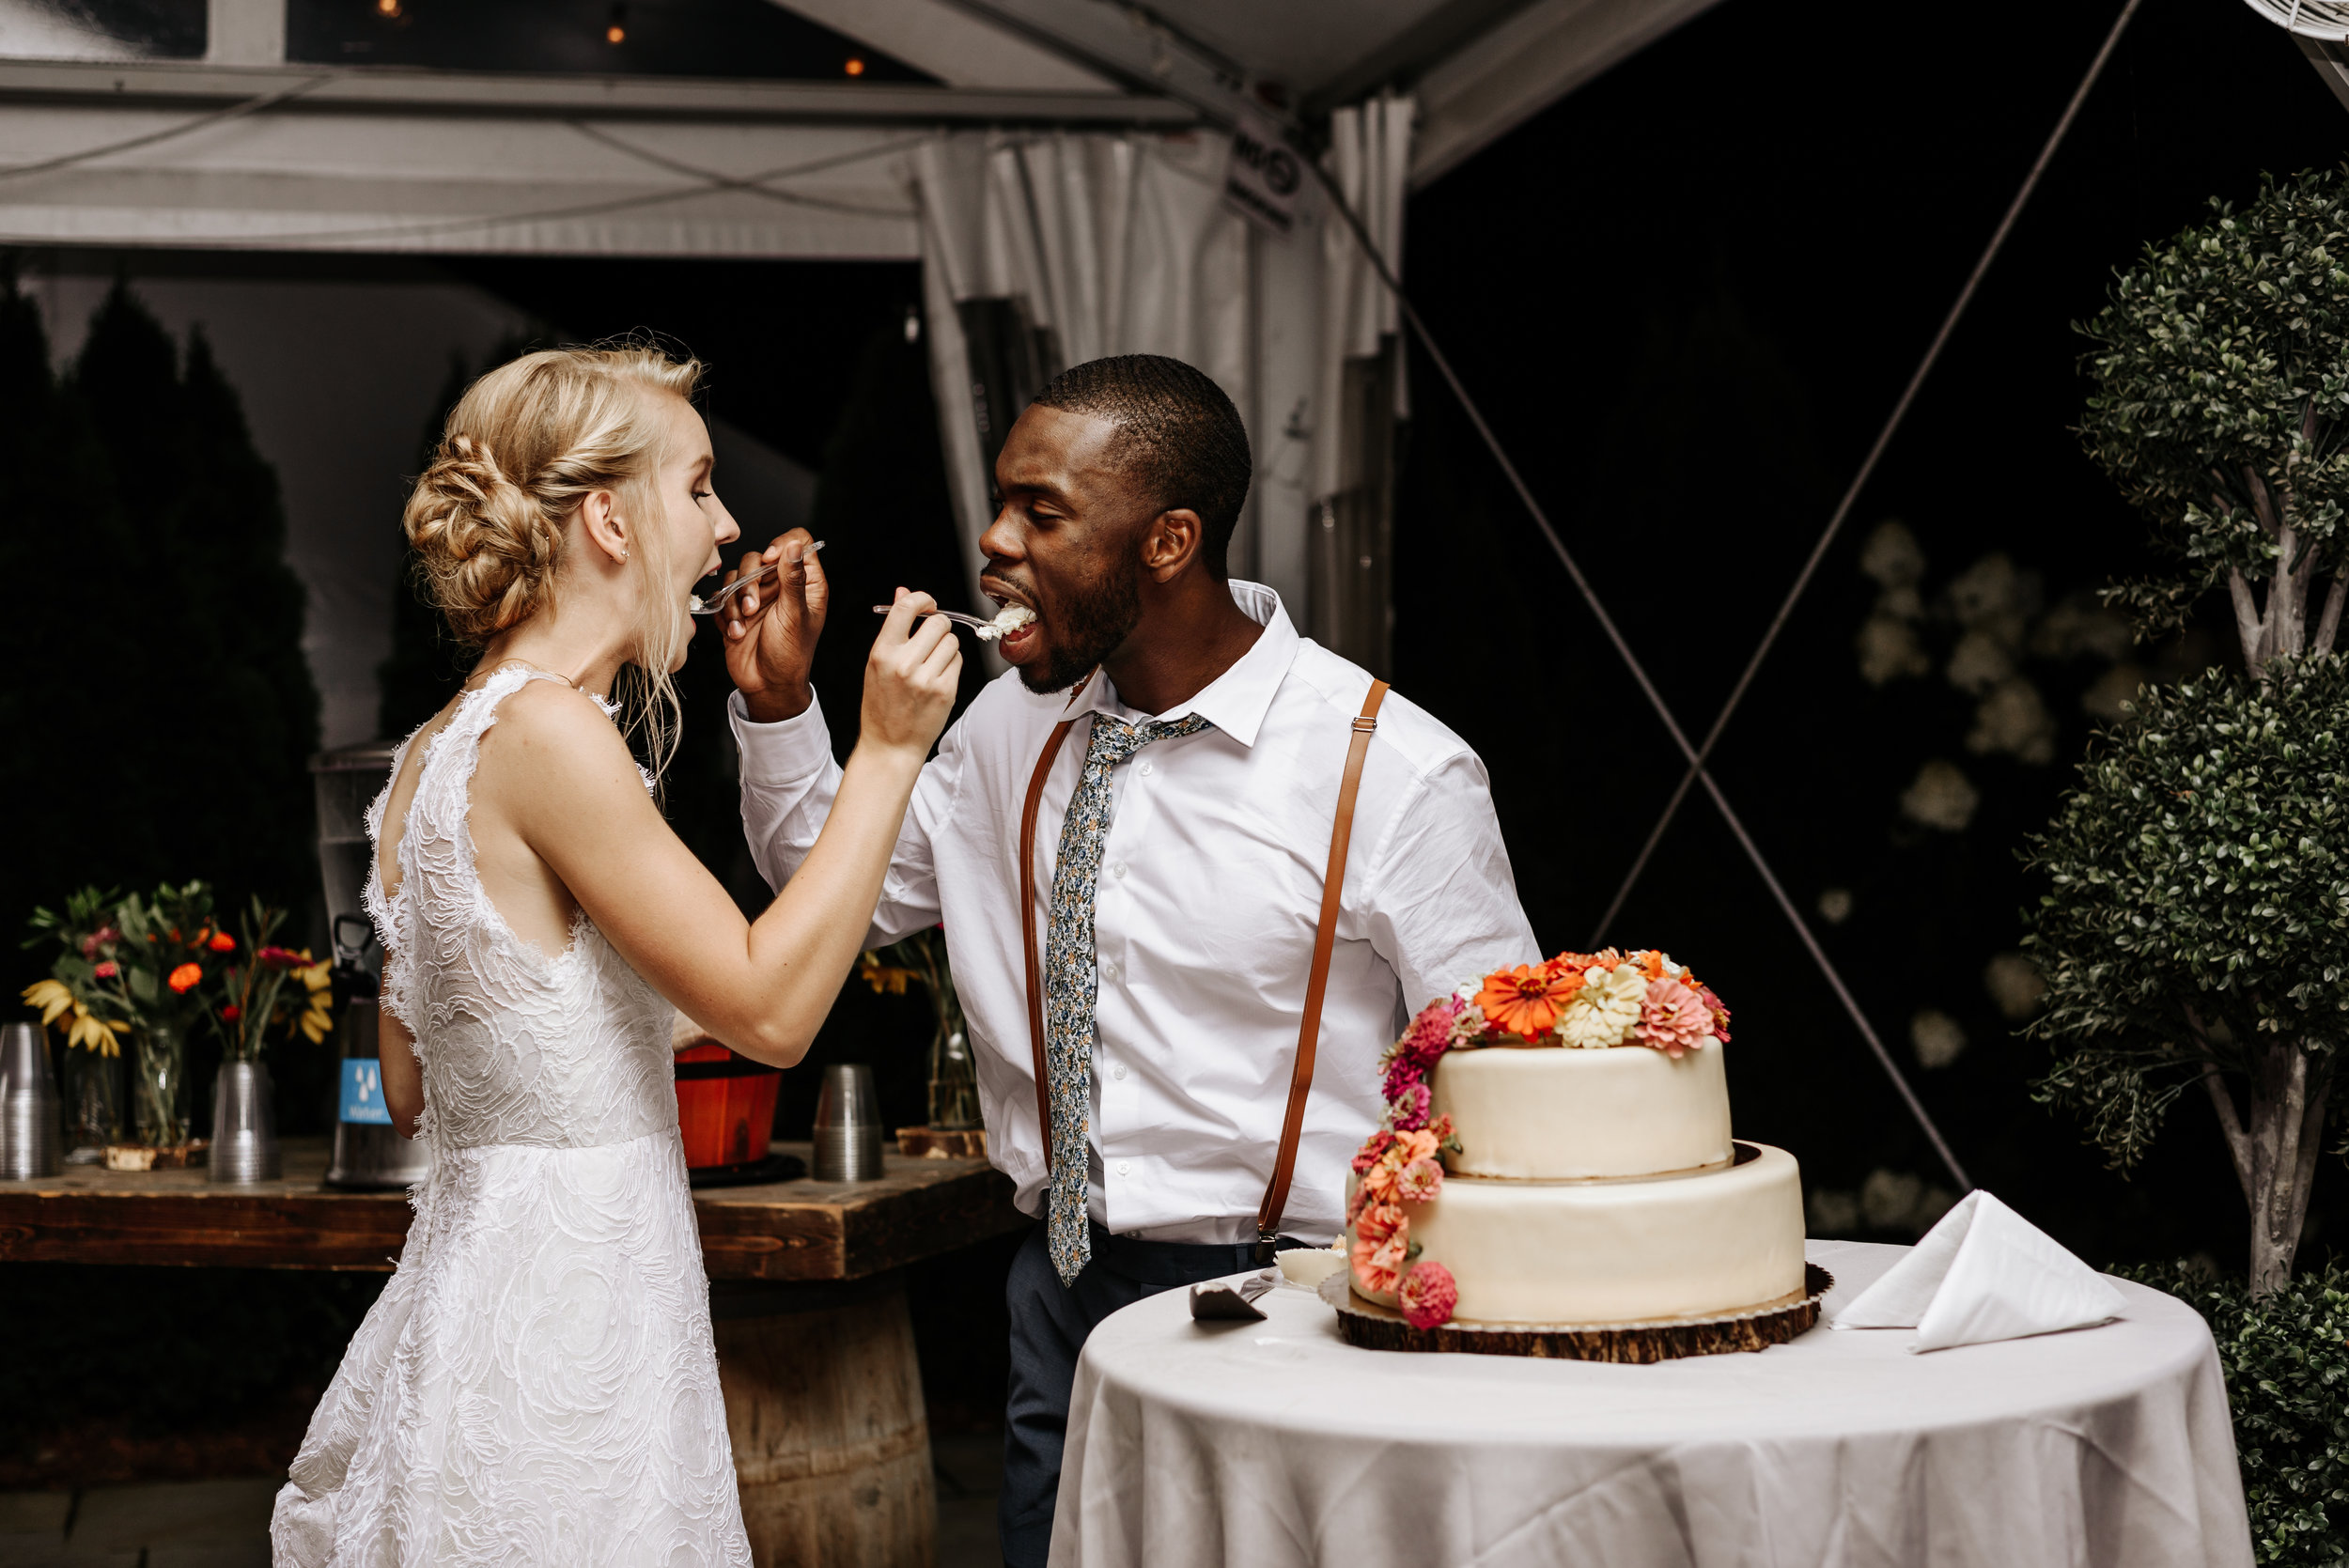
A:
(1174, 911)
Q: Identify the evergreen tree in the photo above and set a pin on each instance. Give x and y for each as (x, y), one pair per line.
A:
(166, 734)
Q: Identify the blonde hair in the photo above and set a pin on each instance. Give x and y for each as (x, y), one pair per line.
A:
(522, 448)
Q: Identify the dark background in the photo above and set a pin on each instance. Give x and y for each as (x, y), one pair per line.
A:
(1685, 297)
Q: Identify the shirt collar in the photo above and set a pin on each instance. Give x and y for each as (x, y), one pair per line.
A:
(1236, 701)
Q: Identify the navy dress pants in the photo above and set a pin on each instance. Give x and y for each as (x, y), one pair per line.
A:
(1050, 1322)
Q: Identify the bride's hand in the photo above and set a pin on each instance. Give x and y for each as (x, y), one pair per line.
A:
(912, 678)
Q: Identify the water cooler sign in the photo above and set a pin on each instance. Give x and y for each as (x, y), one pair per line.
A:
(363, 1091)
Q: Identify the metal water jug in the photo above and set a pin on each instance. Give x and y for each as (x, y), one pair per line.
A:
(31, 1140)
(367, 1153)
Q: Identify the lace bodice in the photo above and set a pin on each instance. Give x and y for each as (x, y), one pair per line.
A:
(568, 1052)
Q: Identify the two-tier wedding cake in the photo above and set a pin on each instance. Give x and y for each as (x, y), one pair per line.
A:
(1556, 1150)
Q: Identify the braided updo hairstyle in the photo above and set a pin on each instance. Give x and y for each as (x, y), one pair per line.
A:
(522, 448)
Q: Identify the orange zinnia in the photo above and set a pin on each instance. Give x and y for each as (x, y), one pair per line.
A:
(1526, 1001)
(185, 977)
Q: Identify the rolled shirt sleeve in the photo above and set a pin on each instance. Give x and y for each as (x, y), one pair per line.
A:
(789, 781)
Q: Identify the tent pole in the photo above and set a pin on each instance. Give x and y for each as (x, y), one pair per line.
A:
(1867, 468)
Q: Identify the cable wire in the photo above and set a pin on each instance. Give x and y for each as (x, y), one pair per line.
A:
(218, 116)
(1638, 673)
(1867, 468)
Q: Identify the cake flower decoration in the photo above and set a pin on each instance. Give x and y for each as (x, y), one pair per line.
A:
(1586, 1000)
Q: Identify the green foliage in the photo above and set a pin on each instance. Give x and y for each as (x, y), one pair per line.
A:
(2198, 893)
(2224, 355)
(2286, 1360)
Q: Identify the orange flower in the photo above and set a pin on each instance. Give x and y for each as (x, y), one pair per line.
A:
(186, 977)
(1527, 1000)
(223, 943)
(1652, 964)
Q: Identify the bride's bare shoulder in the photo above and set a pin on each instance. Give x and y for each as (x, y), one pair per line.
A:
(556, 740)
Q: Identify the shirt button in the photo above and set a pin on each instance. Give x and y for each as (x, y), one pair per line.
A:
(1145, 765)
(1119, 1073)
(1109, 969)
(1121, 1167)
(1118, 871)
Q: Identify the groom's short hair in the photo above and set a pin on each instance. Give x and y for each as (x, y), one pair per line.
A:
(1179, 437)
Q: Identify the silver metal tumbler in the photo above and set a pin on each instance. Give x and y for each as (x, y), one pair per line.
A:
(32, 1142)
(848, 1125)
(244, 1126)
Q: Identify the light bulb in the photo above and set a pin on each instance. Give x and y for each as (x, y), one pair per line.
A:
(854, 67)
(616, 34)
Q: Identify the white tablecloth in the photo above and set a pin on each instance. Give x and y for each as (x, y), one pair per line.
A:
(1256, 1444)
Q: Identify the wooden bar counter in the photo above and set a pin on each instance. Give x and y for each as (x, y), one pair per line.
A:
(815, 1347)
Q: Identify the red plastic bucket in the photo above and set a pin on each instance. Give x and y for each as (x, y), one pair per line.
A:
(725, 1106)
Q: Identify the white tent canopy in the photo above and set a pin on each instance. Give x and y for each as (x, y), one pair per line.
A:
(1068, 167)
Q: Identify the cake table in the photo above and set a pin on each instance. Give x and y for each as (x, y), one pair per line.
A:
(1276, 1443)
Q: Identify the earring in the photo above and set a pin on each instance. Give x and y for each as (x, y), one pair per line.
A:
(623, 555)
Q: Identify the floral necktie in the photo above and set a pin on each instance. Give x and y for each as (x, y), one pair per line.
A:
(1071, 980)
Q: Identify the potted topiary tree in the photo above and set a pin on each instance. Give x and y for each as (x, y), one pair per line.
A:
(2196, 927)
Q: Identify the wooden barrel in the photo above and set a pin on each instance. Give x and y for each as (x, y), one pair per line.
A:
(832, 1445)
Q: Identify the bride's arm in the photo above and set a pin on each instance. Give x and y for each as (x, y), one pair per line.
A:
(403, 1075)
(762, 987)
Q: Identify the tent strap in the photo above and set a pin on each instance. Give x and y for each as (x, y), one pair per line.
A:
(1638, 673)
(1867, 468)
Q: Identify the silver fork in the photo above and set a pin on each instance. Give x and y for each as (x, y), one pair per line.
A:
(696, 605)
(977, 623)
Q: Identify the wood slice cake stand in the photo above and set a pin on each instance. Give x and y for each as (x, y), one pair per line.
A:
(1374, 1328)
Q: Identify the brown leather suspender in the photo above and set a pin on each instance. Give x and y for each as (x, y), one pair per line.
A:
(1027, 930)
(1317, 978)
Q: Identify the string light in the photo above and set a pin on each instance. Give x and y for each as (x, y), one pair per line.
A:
(618, 31)
(387, 8)
(855, 67)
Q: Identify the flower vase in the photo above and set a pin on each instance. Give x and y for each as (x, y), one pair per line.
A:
(244, 1126)
(954, 1079)
(159, 1091)
(94, 1103)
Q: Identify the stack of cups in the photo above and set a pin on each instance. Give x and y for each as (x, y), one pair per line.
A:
(31, 1143)
(848, 1125)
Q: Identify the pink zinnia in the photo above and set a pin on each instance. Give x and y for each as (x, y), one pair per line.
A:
(1430, 1033)
(1410, 1108)
(1367, 1155)
(1673, 1018)
(1720, 1013)
(1418, 1181)
(1427, 1296)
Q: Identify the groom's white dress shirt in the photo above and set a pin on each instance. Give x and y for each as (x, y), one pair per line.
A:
(1210, 888)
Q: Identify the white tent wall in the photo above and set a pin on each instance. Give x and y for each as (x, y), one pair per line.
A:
(1117, 245)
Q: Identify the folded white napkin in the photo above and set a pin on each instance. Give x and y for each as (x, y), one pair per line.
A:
(1984, 1273)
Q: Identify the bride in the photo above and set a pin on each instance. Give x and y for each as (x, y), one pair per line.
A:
(537, 1384)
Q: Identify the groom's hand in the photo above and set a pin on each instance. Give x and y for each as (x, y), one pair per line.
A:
(771, 628)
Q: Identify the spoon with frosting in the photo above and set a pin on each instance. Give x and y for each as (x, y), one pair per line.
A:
(1010, 618)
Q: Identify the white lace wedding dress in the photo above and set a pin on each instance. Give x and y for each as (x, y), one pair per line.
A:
(537, 1385)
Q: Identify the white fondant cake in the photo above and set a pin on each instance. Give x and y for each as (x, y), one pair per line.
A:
(1577, 1185)
(1544, 1113)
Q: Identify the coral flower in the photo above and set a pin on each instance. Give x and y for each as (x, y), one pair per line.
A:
(1378, 1248)
(1720, 1013)
(1427, 1296)
(1372, 1148)
(223, 943)
(1379, 1181)
(108, 969)
(1526, 1001)
(186, 978)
